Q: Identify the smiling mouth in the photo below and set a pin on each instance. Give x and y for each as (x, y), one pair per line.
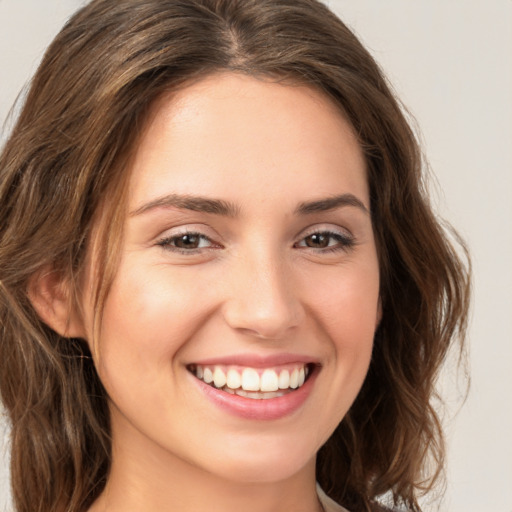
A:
(260, 384)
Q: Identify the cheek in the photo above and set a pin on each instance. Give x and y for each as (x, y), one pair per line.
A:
(151, 308)
(148, 317)
(347, 302)
(347, 312)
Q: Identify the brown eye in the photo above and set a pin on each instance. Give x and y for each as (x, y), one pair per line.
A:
(326, 240)
(318, 240)
(188, 241)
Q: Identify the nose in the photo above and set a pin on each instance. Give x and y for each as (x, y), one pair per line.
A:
(263, 300)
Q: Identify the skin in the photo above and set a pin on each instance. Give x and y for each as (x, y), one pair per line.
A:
(259, 284)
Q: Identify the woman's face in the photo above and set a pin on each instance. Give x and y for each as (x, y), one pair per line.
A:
(248, 258)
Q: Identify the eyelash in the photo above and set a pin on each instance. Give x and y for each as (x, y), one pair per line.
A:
(344, 242)
(168, 242)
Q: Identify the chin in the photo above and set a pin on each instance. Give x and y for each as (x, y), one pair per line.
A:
(273, 462)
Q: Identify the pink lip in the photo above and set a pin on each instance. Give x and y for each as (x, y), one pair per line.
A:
(256, 409)
(256, 361)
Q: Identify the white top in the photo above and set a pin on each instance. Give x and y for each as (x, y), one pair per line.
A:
(328, 504)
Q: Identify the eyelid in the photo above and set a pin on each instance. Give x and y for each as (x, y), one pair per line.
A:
(326, 228)
(346, 240)
(165, 240)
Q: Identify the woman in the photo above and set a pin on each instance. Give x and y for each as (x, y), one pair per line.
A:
(221, 278)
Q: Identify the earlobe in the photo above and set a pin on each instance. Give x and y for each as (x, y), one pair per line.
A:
(51, 298)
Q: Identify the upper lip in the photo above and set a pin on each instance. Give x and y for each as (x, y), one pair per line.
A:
(257, 360)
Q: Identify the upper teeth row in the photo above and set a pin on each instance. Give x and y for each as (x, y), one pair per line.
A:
(250, 380)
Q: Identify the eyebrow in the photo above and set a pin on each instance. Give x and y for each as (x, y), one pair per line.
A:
(228, 209)
(330, 203)
(188, 202)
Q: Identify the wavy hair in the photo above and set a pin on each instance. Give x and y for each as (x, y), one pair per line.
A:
(66, 158)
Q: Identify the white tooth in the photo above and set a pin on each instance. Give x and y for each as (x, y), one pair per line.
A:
(272, 394)
(306, 371)
(240, 392)
(294, 379)
(254, 395)
(302, 377)
(269, 381)
(219, 377)
(228, 390)
(250, 380)
(234, 381)
(207, 375)
(199, 372)
(284, 379)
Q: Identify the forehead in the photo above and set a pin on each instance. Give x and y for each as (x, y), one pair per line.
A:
(230, 132)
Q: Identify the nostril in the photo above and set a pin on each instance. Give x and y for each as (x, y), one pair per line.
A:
(272, 323)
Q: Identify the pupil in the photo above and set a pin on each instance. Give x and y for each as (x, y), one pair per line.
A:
(187, 241)
(318, 240)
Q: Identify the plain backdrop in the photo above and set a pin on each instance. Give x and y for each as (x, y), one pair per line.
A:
(450, 62)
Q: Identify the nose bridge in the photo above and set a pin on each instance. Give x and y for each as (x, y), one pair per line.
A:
(263, 300)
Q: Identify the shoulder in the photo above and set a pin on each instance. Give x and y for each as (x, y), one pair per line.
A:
(376, 507)
(330, 505)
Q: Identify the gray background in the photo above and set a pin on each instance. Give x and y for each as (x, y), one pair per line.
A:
(450, 61)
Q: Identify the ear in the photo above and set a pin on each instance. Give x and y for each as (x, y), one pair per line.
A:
(50, 296)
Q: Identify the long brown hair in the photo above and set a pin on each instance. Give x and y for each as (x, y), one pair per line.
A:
(67, 156)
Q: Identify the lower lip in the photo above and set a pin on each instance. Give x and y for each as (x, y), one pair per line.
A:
(259, 409)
